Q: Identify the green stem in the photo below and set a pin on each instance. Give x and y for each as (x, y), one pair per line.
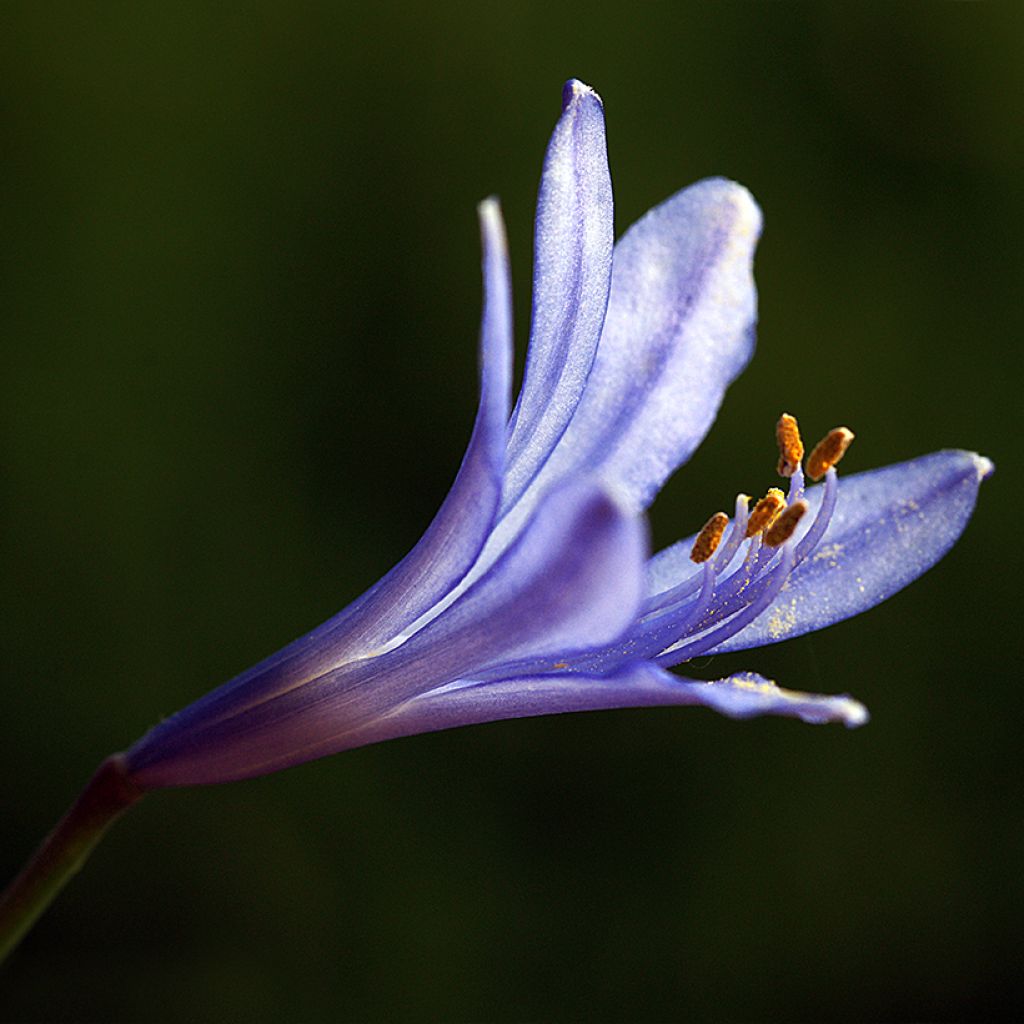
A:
(108, 793)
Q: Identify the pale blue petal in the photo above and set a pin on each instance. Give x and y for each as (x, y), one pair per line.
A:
(573, 579)
(572, 264)
(746, 695)
(890, 526)
(438, 562)
(455, 537)
(453, 540)
(637, 685)
(679, 328)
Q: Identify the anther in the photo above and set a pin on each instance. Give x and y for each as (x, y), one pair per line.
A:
(828, 451)
(765, 511)
(785, 525)
(791, 447)
(709, 538)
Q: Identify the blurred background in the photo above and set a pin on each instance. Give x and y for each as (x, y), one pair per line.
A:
(239, 291)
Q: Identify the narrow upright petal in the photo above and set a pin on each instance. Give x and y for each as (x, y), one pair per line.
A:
(572, 265)
(445, 552)
(679, 328)
(453, 540)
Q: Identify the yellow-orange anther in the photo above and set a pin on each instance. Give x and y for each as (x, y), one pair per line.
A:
(783, 527)
(828, 451)
(710, 536)
(765, 511)
(791, 447)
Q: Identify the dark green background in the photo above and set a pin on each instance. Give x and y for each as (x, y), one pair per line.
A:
(238, 309)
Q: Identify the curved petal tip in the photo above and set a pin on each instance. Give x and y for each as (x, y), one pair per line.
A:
(748, 694)
(747, 219)
(985, 467)
(489, 213)
(575, 90)
(854, 714)
(749, 216)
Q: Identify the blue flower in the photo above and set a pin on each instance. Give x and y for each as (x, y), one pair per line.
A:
(531, 592)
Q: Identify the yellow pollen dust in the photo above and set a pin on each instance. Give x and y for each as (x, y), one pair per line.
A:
(828, 451)
(785, 525)
(710, 536)
(791, 447)
(765, 511)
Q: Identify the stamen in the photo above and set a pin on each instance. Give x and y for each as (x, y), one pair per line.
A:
(659, 602)
(828, 451)
(737, 533)
(791, 447)
(813, 536)
(660, 630)
(766, 511)
(796, 485)
(784, 527)
(695, 648)
(705, 610)
(710, 536)
(731, 592)
(700, 606)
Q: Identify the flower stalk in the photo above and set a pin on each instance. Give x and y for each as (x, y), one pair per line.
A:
(106, 796)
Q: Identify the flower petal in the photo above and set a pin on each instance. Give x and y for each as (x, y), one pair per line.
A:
(572, 266)
(890, 525)
(573, 579)
(453, 540)
(679, 328)
(639, 684)
(437, 563)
